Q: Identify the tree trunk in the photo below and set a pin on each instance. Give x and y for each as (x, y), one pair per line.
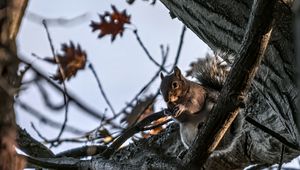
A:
(11, 13)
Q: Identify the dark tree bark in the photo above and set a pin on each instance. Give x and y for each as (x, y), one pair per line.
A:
(11, 13)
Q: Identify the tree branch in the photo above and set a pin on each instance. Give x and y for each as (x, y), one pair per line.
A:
(84, 151)
(130, 132)
(135, 32)
(71, 96)
(101, 89)
(179, 46)
(62, 73)
(47, 120)
(237, 84)
(31, 146)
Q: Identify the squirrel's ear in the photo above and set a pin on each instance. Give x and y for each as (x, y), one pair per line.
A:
(162, 75)
(177, 71)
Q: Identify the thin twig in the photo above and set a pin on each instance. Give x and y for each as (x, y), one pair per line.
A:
(281, 157)
(65, 121)
(272, 133)
(157, 92)
(57, 141)
(179, 46)
(24, 71)
(38, 133)
(146, 86)
(71, 96)
(101, 89)
(146, 51)
(45, 119)
(47, 99)
(66, 101)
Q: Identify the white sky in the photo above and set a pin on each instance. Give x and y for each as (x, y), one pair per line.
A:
(122, 66)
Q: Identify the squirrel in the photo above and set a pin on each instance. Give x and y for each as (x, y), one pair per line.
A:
(189, 103)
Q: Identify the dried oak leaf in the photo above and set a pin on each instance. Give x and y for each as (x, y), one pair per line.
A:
(72, 60)
(140, 110)
(158, 129)
(111, 23)
(155, 130)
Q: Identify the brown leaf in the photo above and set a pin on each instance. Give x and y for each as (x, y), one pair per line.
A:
(111, 23)
(157, 130)
(145, 105)
(72, 60)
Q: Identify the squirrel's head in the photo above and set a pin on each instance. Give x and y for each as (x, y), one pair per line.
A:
(172, 86)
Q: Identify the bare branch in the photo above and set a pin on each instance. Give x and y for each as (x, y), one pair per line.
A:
(281, 157)
(146, 86)
(179, 46)
(66, 101)
(89, 150)
(65, 120)
(101, 89)
(47, 120)
(47, 99)
(71, 96)
(31, 146)
(146, 51)
(39, 134)
(130, 132)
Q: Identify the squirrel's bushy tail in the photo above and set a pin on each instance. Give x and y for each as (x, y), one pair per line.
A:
(211, 71)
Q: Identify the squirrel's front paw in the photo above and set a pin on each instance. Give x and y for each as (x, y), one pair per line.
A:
(177, 110)
(174, 111)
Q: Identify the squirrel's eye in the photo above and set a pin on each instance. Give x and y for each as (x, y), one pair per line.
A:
(174, 85)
